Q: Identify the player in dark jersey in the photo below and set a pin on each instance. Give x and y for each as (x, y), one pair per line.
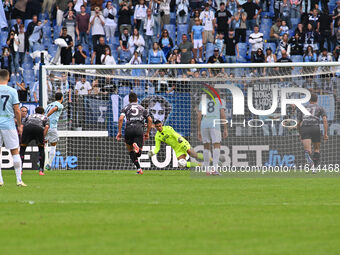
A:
(135, 115)
(35, 128)
(309, 126)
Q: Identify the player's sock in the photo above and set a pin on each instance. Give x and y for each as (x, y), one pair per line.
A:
(316, 158)
(51, 155)
(41, 157)
(308, 158)
(192, 164)
(216, 156)
(17, 166)
(206, 157)
(133, 157)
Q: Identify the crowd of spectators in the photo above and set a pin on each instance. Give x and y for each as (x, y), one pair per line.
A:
(170, 31)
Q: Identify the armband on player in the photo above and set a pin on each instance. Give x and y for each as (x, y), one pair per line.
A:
(151, 153)
(180, 139)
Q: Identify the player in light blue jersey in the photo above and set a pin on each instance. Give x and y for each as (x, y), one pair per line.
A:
(9, 108)
(208, 132)
(53, 111)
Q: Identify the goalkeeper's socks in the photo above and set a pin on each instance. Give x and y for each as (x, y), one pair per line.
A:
(200, 156)
(316, 158)
(51, 155)
(192, 164)
(133, 157)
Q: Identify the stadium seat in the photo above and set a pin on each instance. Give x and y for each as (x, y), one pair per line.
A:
(13, 22)
(209, 50)
(123, 90)
(294, 23)
(296, 58)
(267, 22)
(270, 45)
(38, 46)
(139, 90)
(172, 31)
(172, 17)
(243, 48)
(181, 29)
(3, 38)
(52, 49)
(27, 21)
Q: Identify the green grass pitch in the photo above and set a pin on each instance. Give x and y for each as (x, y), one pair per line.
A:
(167, 212)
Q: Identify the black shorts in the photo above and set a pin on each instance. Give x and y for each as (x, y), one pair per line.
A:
(134, 135)
(311, 132)
(32, 133)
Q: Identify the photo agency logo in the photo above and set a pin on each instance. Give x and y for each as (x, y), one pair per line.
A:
(278, 100)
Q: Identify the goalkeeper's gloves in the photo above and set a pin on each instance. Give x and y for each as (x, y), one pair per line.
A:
(180, 139)
(151, 153)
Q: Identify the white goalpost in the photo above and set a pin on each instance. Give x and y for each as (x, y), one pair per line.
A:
(177, 95)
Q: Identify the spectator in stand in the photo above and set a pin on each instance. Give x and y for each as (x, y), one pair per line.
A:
(231, 47)
(37, 35)
(231, 6)
(124, 41)
(324, 56)
(284, 57)
(164, 10)
(295, 9)
(285, 9)
(276, 6)
(310, 38)
(175, 57)
(16, 26)
(239, 21)
(208, 20)
(94, 4)
(30, 29)
(250, 8)
(186, 50)
(195, 4)
(259, 56)
(195, 15)
(215, 59)
(165, 42)
(66, 52)
(182, 11)
(97, 23)
(325, 26)
(219, 43)
(223, 19)
(78, 4)
(154, 6)
(140, 14)
(21, 47)
(70, 24)
(309, 55)
(313, 18)
(13, 44)
(148, 28)
(61, 6)
(83, 87)
(107, 58)
(156, 55)
(136, 42)
(336, 15)
(19, 9)
(300, 29)
(22, 92)
(110, 15)
(284, 44)
(7, 7)
(337, 35)
(79, 56)
(124, 17)
(283, 28)
(296, 45)
(98, 51)
(274, 35)
(256, 41)
(136, 60)
(83, 25)
(197, 34)
(6, 60)
(270, 56)
(70, 8)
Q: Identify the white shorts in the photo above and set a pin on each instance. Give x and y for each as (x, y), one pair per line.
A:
(10, 138)
(211, 135)
(198, 43)
(52, 136)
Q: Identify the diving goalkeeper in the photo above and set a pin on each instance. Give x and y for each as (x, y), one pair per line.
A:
(181, 146)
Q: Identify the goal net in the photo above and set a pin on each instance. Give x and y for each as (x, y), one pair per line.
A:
(260, 101)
